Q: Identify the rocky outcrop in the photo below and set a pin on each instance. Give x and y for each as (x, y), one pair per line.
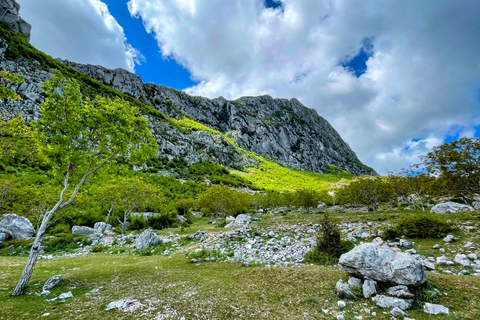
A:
(451, 207)
(9, 13)
(81, 230)
(379, 262)
(282, 129)
(16, 227)
(146, 239)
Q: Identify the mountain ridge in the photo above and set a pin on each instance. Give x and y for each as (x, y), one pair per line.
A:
(279, 129)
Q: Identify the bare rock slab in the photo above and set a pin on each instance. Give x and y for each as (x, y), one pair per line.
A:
(122, 304)
(385, 302)
(432, 308)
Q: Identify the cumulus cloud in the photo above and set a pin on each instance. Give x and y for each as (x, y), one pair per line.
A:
(422, 77)
(81, 31)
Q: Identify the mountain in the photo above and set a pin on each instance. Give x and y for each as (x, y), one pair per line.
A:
(190, 127)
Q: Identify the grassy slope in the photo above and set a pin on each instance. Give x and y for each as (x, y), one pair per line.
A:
(173, 287)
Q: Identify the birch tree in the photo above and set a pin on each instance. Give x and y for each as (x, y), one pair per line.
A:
(78, 136)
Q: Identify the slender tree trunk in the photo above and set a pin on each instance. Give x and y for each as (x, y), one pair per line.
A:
(108, 218)
(217, 219)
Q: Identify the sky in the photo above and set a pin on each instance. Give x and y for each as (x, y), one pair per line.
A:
(394, 78)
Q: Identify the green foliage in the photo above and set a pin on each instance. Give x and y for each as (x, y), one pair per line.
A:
(205, 255)
(64, 242)
(458, 165)
(420, 226)
(137, 223)
(162, 221)
(370, 191)
(307, 198)
(329, 246)
(5, 92)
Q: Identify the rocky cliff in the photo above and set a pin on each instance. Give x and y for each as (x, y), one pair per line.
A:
(279, 129)
(9, 13)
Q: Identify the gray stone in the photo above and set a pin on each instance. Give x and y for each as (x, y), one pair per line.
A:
(379, 262)
(469, 245)
(400, 292)
(343, 289)
(180, 218)
(397, 312)
(341, 304)
(428, 265)
(443, 260)
(122, 304)
(389, 302)
(52, 282)
(146, 239)
(450, 207)
(16, 226)
(472, 256)
(101, 225)
(66, 295)
(9, 13)
(3, 237)
(354, 282)
(82, 230)
(369, 288)
(242, 220)
(405, 243)
(462, 260)
(449, 238)
(431, 308)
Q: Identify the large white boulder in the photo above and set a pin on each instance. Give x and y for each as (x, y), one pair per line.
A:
(380, 263)
(146, 239)
(16, 226)
(240, 220)
(82, 230)
(450, 207)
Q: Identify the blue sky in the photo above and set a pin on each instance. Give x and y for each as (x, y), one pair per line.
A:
(155, 68)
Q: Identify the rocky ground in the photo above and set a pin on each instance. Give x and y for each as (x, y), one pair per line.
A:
(271, 248)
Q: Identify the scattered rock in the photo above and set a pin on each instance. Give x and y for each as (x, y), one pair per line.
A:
(437, 246)
(45, 314)
(369, 288)
(122, 304)
(449, 238)
(343, 290)
(431, 308)
(397, 312)
(428, 265)
(389, 302)
(16, 226)
(472, 256)
(66, 295)
(443, 260)
(462, 260)
(146, 239)
(81, 230)
(400, 292)
(101, 225)
(405, 244)
(450, 207)
(180, 218)
(52, 282)
(381, 263)
(341, 304)
(240, 220)
(469, 245)
(354, 282)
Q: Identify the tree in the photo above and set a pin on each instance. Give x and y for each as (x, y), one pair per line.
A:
(217, 199)
(412, 185)
(457, 164)
(128, 195)
(6, 92)
(367, 191)
(307, 198)
(77, 137)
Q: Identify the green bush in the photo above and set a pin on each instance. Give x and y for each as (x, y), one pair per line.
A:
(65, 242)
(420, 226)
(160, 222)
(137, 223)
(329, 246)
(60, 228)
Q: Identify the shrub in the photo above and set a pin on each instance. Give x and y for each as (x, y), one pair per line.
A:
(160, 222)
(137, 223)
(329, 246)
(421, 226)
(60, 228)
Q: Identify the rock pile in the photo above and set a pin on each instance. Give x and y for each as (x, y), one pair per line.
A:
(16, 227)
(450, 207)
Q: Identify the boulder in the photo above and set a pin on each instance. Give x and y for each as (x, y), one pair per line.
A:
(379, 262)
(18, 227)
(66, 295)
(400, 292)
(81, 230)
(369, 288)
(443, 260)
(389, 302)
(240, 220)
(449, 238)
(397, 312)
(354, 282)
(146, 239)
(52, 282)
(3, 237)
(343, 289)
(451, 207)
(180, 218)
(101, 225)
(122, 304)
(462, 260)
(431, 308)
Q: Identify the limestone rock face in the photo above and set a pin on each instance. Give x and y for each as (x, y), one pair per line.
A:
(450, 207)
(282, 129)
(16, 226)
(81, 230)
(389, 302)
(146, 239)
(9, 13)
(379, 262)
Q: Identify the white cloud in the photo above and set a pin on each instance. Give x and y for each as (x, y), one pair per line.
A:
(79, 30)
(421, 80)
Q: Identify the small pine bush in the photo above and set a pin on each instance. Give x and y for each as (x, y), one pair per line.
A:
(329, 246)
(137, 223)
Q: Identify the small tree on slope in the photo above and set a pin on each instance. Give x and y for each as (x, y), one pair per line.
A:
(78, 137)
